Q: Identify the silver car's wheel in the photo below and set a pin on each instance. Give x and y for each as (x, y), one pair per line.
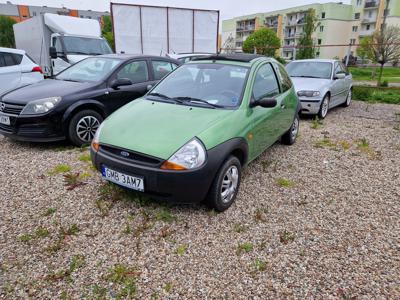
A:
(86, 128)
(323, 111)
(229, 184)
(348, 99)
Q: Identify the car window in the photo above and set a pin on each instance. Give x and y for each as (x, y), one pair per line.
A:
(338, 68)
(161, 68)
(265, 84)
(310, 69)
(343, 67)
(10, 59)
(135, 71)
(286, 82)
(57, 45)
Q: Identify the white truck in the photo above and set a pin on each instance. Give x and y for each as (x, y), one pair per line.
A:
(55, 42)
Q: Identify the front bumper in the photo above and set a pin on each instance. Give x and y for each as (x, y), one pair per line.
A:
(190, 186)
(43, 128)
(309, 106)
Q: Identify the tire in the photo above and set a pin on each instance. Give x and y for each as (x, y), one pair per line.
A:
(348, 99)
(323, 110)
(289, 138)
(215, 197)
(85, 118)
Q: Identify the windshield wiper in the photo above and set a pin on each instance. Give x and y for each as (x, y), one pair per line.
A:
(191, 99)
(71, 80)
(159, 95)
(308, 77)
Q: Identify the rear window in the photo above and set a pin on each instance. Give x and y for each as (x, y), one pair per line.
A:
(9, 59)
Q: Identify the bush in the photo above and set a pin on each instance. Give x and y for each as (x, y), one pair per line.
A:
(373, 94)
(385, 83)
(264, 40)
(362, 94)
(281, 60)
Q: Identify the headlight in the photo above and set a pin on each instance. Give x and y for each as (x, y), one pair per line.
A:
(96, 138)
(308, 94)
(190, 156)
(40, 106)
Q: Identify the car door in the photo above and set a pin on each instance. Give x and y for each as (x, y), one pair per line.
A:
(10, 71)
(348, 81)
(160, 69)
(265, 121)
(137, 72)
(337, 86)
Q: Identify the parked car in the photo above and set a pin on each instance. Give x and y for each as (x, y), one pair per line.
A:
(186, 57)
(17, 69)
(74, 103)
(190, 136)
(321, 84)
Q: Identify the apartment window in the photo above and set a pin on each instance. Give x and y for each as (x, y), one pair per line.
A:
(368, 27)
(353, 41)
(317, 53)
(355, 28)
(359, 2)
(319, 41)
(357, 16)
(370, 14)
(321, 28)
(323, 15)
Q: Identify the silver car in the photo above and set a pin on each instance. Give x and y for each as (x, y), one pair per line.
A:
(321, 84)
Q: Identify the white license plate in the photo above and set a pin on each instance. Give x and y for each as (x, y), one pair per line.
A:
(5, 120)
(132, 182)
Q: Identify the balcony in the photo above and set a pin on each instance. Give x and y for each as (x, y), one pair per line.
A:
(290, 36)
(271, 24)
(366, 32)
(371, 4)
(367, 20)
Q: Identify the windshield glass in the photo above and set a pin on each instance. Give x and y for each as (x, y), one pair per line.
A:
(310, 69)
(91, 69)
(218, 84)
(86, 46)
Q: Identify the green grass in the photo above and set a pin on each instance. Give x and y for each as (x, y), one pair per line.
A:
(60, 169)
(49, 211)
(260, 265)
(283, 182)
(181, 250)
(245, 247)
(85, 158)
(124, 278)
(390, 74)
(377, 95)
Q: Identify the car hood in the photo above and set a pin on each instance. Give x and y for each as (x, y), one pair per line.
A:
(157, 129)
(73, 58)
(309, 84)
(44, 89)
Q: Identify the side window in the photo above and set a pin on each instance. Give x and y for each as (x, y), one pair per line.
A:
(265, 84)
(17, 58)
(338, 68)
(284, 78)
(57, 45)
(135, 71)
(9, 59)
(2, 63)
(343, 67)
(161, 68)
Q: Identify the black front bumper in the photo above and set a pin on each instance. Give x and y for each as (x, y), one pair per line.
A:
(174, 186)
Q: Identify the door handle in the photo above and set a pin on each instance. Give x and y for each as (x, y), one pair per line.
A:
(283, 106)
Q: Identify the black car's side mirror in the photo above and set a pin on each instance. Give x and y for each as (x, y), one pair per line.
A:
(53, 52)
(265, 102)
(120, 82)
(149, 87)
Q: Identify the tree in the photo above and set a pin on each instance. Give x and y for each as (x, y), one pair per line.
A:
(6, 32)
(382, 47)
(107, 30)
(364, 50)
(264, 41)
(306, 43)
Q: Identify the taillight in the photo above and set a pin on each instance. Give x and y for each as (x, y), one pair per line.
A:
(37, 69)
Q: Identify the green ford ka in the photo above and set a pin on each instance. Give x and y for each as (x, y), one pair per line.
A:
(189, 138)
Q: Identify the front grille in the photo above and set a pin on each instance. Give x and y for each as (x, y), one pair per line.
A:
(12, 109)
(31, 130)
(133, 156)
(6, 128)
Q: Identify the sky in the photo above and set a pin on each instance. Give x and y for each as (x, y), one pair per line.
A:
(228, 8)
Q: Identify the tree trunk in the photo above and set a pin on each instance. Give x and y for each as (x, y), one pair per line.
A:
(380, 75)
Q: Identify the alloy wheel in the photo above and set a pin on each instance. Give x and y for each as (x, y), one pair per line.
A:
(86, 128)
(229, 184)
(348, 100)
(295, 128)
(325, 107)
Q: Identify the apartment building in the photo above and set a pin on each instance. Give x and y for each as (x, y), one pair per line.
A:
(23, 12)
(338, 24)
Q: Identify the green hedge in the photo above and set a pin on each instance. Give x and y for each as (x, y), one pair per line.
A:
(374, 94)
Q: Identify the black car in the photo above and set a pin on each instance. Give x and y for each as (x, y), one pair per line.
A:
(72, 104)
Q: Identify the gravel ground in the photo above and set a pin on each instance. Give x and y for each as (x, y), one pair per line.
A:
(319, 220)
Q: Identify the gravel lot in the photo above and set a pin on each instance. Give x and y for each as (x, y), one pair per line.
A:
(319, 219)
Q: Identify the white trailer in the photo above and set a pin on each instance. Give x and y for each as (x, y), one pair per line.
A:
(155, 30)
(55, 42)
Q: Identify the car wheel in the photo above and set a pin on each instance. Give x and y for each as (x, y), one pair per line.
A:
(323, 110)
(226, 185)
(348, 99)
(83, 126)
(289, 138)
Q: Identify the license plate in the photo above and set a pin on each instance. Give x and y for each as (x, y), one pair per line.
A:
(5, 120)
(132, 182)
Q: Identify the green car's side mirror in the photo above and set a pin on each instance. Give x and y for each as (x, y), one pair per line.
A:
(265, 102)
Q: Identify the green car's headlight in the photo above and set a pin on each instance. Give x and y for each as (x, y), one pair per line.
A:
(40, 106)
(308, 93)
(96, 138)
(190, 156)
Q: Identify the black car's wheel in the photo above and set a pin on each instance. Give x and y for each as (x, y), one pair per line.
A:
(83, 126)
(348, 99)
(289, 138)
(323, 110)
(226, 185)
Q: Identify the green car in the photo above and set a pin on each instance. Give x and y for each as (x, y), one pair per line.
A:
(190, 137)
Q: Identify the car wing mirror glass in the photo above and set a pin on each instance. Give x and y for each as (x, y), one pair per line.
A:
(53, 52)
(340, 76)
(265, 102)
(115, 84)
(149, 87)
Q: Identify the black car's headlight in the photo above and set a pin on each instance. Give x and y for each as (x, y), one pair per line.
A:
(308, 94)
(40, 106)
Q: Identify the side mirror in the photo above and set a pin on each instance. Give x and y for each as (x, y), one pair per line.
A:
(120, 82)
(149, 87)
(265, 102)
(53, 52)
(340, 76)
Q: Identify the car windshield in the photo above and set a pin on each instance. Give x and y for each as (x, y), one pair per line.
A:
(86, 46)
(89, 70)
(206, 84)
(310, 69)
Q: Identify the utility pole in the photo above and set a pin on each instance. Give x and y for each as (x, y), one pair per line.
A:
(385, 13)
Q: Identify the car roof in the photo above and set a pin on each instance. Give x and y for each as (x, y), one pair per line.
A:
(134, 56)
(181, 55)
(317, 60)
(12, 50)
(237, 57)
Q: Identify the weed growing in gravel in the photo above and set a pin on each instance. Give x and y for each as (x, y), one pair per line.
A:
(60, 169)
(71, 230)
(286, 237)
(49, 211)
(325, 143)
(26, 238)
(127, 229)
(364, 147)
(125, 278)
(245, 247)
(164, 214)
(283, 182)
(42, 232)
(166, 232)
(239, 228)
(168, 287)
(77, 262)
(72, 181)
(212, 213)
(345, 145)
(317, 123)
(363, 144)
(98, 293)
(260, 265)
(259, 215)
(85, 158)
(181, 250)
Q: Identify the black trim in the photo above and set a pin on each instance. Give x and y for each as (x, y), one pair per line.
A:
(233, 57)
